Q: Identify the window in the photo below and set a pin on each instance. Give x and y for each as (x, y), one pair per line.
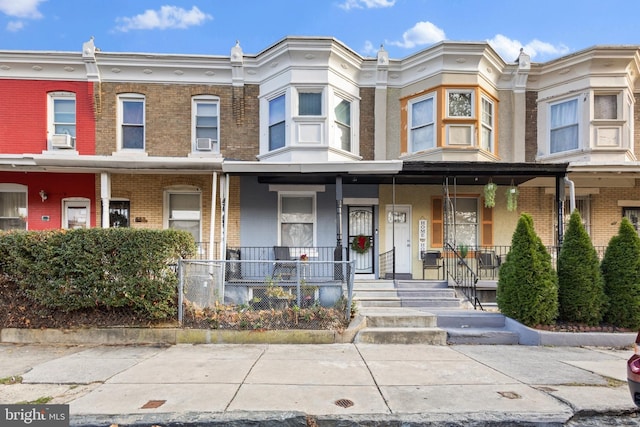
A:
(13, 207)
(422, 119)
(309, 104)
(119, 213)
(486, 141)
(342, 113)
(206, 121)
(183, 209)
(76, 213)
(605, 107)
(277, 123)
(297, 220)
(462, 223)
(633, 215)
(583, 208)
(64, 113)
(564, 126)
(460, 103)
(132, 122)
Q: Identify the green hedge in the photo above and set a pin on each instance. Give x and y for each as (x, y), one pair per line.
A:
(97, 268)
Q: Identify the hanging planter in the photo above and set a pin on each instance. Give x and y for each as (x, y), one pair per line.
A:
(361, 244)
(512, 198)
(490, 194)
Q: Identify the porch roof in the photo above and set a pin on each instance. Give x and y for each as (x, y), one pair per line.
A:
(400, 172)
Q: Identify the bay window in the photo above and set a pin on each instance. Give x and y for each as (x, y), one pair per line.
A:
(459, 103)
(422, 123)
(564, 126)
(486, 137)
(342, 113)
(277, 134)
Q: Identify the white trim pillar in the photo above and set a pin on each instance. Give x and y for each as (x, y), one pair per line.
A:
(105, 197)
(212, 223)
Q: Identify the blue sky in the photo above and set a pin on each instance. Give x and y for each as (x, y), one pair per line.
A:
(546, 29)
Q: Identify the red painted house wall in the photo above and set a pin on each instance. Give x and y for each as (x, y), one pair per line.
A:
(58, 186)
(23, 115)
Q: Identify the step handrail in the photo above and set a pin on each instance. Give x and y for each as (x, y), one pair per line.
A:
(462, 275)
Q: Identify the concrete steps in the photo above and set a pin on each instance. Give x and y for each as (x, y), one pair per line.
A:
(476, 327)
(400, 326)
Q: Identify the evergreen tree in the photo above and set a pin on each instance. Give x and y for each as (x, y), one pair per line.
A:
(621, 272)
(580, 285)
(528, 285)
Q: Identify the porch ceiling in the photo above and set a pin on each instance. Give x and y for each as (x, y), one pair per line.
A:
(427, 173)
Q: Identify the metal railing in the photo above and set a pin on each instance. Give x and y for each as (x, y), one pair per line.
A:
(265, 285)
(387, 263)
(462, 275)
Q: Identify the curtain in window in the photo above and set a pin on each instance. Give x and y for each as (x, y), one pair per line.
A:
(296, 221)
(564, 126)
(309, 104)
(184, 213)
(422, 136)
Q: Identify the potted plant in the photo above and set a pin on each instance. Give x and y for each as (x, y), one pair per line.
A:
(463, 250)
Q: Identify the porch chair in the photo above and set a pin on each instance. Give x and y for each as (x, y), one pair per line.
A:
(431, 261)
(283, 265)
(488, 261)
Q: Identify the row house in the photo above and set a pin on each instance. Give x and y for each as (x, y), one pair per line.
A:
(310, 146)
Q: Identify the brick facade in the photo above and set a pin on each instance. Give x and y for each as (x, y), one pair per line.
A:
(531, 127)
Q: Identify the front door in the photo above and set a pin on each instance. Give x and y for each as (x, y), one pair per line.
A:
(361, 236)
(398, 234)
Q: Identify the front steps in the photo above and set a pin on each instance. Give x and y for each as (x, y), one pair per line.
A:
(424, 312)
(396, 325)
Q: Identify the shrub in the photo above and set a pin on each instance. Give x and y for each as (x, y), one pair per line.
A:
(528, 286)
(621, 272)
(97, 268)
(580, 286)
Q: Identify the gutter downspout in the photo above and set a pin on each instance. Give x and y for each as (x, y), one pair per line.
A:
(572, 194)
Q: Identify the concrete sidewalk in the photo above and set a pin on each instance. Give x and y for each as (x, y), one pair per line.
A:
(224, 384)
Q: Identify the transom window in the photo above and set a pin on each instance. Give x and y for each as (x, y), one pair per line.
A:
(564, 126)
(277, 123)
(422, 124)
(309, 103)
(297, 220)
(206, 124)
(132, 121)
(342, 112)
(13, 207)
(605, 107)
(460, 103)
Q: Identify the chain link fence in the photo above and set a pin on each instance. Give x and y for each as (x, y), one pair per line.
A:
(265, 294)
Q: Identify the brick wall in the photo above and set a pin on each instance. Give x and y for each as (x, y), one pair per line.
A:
(367, 123)
(168, 118)
(531, 130)
(23, 127)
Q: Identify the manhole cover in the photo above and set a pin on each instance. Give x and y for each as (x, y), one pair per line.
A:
(344, 403)
(153, 404)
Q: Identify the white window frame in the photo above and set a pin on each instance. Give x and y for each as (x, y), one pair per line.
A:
(131, 97)
(489, 127)
(76, 202)
(195, 102)
(338, 126)
(314, 214)
(22, 212)
(190, 190)
(471, 107)
(51, 115)
(564, 125)
(410, 128)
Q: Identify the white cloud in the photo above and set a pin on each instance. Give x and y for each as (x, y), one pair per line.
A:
(15, 26)
(21, 8)
(168, 17)
(423, 33)
(368, 4)
(369, 49)
(509, 49)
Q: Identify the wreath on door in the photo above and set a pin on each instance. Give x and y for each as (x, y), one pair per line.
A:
(361, 244)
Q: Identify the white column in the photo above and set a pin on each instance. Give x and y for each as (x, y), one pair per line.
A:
(212, 223)
(105, 197)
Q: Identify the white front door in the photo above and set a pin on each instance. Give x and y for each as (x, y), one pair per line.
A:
(398, 230)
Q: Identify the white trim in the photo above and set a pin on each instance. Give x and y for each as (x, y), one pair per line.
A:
(205, 99)
(410, 104)
(75, 202)
(133, 97)
(51, 128)
(360, 201)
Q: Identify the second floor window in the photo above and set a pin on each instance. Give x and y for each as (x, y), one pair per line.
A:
(310, 104)
(343, 123)
(422, 118)
(486, 139)
(459, 103)
(62, 119)
(277, 123)
(132, 123)
(206, 125)
(564, 126)
(605, 107)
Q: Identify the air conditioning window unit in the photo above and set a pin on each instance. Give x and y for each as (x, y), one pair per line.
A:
(62, 141)
(204, 144)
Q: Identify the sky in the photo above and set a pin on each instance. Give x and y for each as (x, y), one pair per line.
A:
(545, 29)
